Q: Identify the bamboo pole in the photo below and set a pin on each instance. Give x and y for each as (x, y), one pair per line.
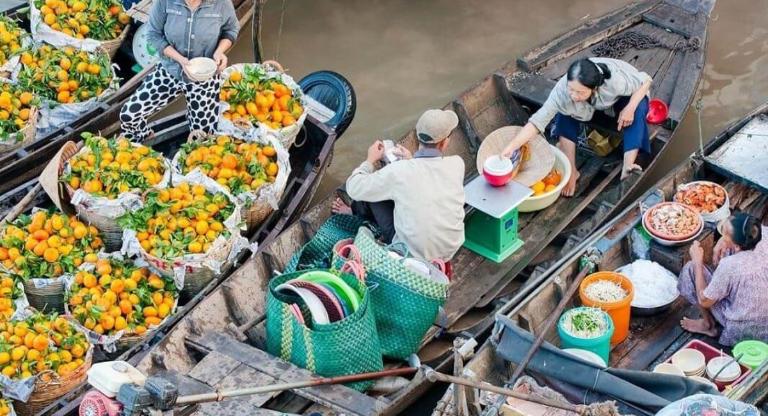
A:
(221, 395)
(433, 376)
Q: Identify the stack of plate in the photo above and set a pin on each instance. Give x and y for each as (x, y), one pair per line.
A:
(692, 362)
(728, 375)
(326, 296)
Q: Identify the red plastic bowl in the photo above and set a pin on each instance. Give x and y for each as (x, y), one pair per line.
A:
(657, 111)
(497, 180)
(498, 175)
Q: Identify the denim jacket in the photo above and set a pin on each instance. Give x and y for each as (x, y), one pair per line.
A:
(192, 33)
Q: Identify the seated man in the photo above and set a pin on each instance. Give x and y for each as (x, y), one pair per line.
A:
(418, 200)
(735, 296)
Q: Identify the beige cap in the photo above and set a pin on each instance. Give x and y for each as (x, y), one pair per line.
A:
(435, 126)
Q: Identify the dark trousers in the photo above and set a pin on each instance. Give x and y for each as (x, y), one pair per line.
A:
(635, 136)
(379, 213)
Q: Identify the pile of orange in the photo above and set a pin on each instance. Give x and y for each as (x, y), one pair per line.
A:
(9, 292)
(11, 36)
(15, 110)
(180, 220)
(258, 98)
(85, 19)
(237, 165)
(47, 244)
(548, 184)
(5, 406)
(110, 167)
(118, 296)
(41, 344)
(65, 75)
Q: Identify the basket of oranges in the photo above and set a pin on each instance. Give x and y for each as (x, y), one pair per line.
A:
(187, 231)
(13, 300)
(107, 177)
(258, 100)
(68, 81)
(45, 356)
(119, 303)
(6, 407)
(84, 24)
(18, 116)
(42, 248)
(255, 172)
(12, 40)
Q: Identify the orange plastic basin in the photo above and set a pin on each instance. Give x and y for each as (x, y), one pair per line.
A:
(619, 310)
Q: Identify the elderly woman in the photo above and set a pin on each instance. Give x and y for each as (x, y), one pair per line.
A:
(611, 86)
(733, 296)
(182, 30)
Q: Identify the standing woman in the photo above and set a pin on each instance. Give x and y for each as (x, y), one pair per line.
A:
(604, 84)
(182, 30)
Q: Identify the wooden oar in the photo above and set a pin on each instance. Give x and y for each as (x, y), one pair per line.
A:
(433, 376)
(223, 394)
(553, 317)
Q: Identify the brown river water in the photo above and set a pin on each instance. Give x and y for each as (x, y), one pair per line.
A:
(406, 56)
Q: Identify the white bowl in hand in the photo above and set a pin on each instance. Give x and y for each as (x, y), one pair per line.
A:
(200, 69)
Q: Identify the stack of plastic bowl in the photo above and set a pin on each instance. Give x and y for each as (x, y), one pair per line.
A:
(691, 362)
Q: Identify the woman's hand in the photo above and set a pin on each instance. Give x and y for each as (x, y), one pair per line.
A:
(221, 60)
(507, 152)
(626, 117)
(724, 247)
(696, 253)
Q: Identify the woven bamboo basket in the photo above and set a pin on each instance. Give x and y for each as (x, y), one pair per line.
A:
(47, 299)
(46, 393)
(110, 231)
(256, 212)
(28, 132)
(112, 46)
(195, 277)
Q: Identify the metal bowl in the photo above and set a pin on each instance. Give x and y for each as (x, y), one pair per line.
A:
(655, 310)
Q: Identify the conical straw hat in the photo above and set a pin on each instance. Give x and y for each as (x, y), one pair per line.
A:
(540, 162)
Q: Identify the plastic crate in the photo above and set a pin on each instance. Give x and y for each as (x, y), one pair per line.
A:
(712, 352)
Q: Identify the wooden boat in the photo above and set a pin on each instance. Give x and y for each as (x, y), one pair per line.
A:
(27, 162)
(652, 339)
(201, 344)
(308, 164)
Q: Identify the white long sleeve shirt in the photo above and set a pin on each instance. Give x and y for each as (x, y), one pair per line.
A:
(428, 193)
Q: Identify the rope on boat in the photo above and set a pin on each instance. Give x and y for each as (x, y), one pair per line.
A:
(698, 107)
(616, 46)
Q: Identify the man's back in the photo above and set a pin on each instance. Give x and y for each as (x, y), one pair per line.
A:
(428, 193)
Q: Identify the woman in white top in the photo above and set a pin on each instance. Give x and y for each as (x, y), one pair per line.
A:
(604, 84)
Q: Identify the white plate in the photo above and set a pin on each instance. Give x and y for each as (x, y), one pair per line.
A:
(315, 305)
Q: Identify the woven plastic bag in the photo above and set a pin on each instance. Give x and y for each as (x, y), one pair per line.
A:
(406, 303)
(348, 346)
(317, 252)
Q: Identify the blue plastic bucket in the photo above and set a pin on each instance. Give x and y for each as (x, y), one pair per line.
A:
(600, 345)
